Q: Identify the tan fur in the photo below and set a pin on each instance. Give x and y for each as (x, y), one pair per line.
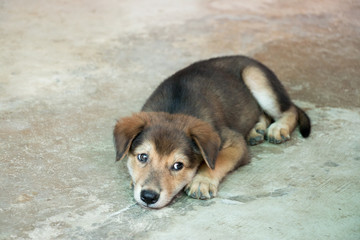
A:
(155, 175)
(280, 130)
(258, 83)
(126, 130)
(285, 121)
(198, 119)
(206, 182)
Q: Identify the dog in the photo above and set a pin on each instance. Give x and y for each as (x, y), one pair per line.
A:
(194, 128)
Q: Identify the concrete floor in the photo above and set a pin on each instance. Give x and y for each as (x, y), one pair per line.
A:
(69, 69)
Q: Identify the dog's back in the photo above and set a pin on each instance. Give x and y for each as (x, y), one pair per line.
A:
(211, 90)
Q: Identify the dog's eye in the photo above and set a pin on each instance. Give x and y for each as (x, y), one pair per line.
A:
(177, 166)
(143, 157)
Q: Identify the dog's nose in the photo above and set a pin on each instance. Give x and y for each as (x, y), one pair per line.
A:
(149, 197)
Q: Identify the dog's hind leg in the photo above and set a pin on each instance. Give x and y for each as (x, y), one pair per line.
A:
(257, 133)
(281, 129)
(273, 99)
(233, 154)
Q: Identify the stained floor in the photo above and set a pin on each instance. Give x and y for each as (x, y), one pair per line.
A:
(70, 69)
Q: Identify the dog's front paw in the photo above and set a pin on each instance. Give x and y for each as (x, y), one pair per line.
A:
(202, 187)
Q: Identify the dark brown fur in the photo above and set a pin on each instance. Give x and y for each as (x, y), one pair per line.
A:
(199, 118)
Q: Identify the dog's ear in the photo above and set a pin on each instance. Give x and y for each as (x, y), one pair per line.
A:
(126, 129)
(207, 140)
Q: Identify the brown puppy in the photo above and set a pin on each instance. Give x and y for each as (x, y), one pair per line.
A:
(192, 130)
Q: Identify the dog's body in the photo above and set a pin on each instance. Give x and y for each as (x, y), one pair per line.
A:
(192, 130)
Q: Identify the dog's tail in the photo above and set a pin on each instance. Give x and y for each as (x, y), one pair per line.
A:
(303, 122)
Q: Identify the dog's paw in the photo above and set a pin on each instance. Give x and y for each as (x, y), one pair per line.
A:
(202, 187)
(278, 133)
(257, 134)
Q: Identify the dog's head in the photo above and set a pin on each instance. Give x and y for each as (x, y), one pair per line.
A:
(164, 152)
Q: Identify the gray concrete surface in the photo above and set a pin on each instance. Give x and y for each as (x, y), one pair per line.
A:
(69, 69)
